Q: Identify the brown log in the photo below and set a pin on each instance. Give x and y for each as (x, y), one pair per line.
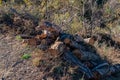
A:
(67, 41)
(42, 36)
(77, 53)
(56, 45)
(57, 48)
(90, 41)
(53, 52)
(33, 42)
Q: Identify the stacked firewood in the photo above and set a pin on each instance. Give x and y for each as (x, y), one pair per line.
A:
(73, 48)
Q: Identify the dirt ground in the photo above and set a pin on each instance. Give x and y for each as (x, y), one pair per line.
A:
(12, 67)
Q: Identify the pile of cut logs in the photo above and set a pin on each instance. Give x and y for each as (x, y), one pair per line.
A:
(73, 48)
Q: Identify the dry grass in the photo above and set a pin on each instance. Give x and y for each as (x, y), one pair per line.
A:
(109, 53)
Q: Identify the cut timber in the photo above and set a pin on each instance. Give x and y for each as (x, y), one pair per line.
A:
(42, 36)
(56, 45)
(77, 53)
(57, 48)
(90, 41)
(33, 41)
(53, 52)
(67, 41)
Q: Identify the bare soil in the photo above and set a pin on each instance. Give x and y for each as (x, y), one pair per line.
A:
(12, 67)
